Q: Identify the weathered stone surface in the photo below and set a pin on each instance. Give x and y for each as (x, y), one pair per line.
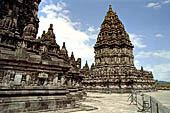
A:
(114, 68)
(31, 66)
(35, 103)
(30, 56)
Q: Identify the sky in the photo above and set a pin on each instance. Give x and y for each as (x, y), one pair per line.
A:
(77, 23)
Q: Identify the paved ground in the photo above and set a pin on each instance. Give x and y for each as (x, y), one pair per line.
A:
(109, 103)
(161, 96)
(115, 103)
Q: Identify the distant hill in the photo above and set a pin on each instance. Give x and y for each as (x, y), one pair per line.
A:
(163, 84)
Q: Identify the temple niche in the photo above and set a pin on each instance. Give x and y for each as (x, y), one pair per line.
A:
(114, 68)
(31, 66)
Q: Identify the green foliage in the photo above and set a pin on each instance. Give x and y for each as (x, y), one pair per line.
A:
(163, 85)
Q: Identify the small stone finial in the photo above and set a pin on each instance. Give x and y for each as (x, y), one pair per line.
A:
(44, 32)
(72, 53)
(110, 7)
(86, 64)
(50, 36)
(141, 68)
(43, 35)
(92, 65)
(72, 57)
(86, 67)
(51, 26)
(64, 45)
(63, 51)
(79, 60)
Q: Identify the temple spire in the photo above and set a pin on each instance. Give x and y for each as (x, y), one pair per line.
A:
(86, 66)
(63, 51)
(64, 45)
(72, 57)
(110, 7)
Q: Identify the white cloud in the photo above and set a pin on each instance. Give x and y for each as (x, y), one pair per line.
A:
(66, 30)
(154, 5)
(91, 29)
(137, 64)
(159, 35)
(166, 1)
(162, 68)
(148, 68)
(52, 8)
(92, 32)
(160, 71)
(159, 53)
(137, 40)
(157, 4)
(93, 36)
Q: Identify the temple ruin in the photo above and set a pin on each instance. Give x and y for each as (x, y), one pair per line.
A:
(35, 73)
(114, 68)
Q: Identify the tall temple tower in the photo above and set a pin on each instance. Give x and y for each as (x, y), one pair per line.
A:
(113, 46)
(114, 61)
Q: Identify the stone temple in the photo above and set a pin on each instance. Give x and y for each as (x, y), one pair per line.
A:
(35, 73)
(114, 68)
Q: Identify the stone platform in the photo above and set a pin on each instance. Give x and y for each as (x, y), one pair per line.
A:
(35, 99)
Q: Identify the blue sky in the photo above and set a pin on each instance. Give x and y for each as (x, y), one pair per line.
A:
(77, 22)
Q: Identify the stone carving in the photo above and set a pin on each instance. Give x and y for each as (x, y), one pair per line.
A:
(116, 58)
(35, 10)
(55, 80)
(32, 64)
(30, 30)
(28, 80)
(62, 80)
(69, 82)
(18, 78)
(8, 24)
(6, 78)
